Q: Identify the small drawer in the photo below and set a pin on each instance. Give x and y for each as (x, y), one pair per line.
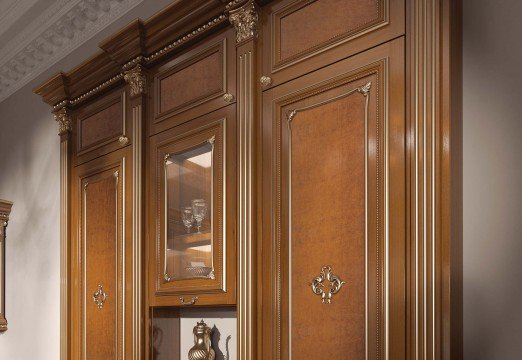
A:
(196, 82)
(101, 127)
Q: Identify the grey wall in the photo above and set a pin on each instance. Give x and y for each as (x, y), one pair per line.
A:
(29, 176)
(492, 179)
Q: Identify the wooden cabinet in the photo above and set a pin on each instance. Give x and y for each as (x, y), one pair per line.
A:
(334, 211)
(295, 161)
(192, 261)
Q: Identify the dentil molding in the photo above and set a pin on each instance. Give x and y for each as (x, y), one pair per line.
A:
(63, 27)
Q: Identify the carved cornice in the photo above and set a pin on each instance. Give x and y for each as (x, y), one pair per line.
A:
(64, 26)
(141, 60)
(63, 118)
(136, 79)
(245, 21)
(5, 210)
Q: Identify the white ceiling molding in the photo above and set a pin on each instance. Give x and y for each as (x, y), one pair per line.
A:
(53, 34)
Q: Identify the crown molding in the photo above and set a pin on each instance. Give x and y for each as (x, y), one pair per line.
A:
(62, 28)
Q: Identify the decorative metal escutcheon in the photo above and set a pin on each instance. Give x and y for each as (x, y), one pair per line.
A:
(334, 284)
(99, 297)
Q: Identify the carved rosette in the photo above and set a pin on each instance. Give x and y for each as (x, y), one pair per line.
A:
(63, 118)
(245, 21)
(136, 80)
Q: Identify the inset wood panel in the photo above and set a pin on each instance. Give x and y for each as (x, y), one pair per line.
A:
(193, 83)
(103, 125)
(328, 227)
(200, 79)
(334, 196)
(101, 259)
(98, 126)
(300, 36)
(337, 19)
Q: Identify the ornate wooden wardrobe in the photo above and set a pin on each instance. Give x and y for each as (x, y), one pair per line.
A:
(297, 161)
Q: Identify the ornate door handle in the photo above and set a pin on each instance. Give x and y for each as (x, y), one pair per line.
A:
(318, 284)
(191, 302)
(99, 297)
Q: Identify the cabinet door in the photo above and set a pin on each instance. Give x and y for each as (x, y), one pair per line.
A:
(192, 221)
(300, 36)
(101, 127)
(333, 216)
(102, 292)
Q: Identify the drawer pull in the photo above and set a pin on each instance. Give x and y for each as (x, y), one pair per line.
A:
(123, 140)
(318, 284)
(188, 303)
(265, 81)
(99, 297)
(228, 97)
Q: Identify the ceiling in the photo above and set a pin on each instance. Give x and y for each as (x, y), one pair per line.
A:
(35, 34)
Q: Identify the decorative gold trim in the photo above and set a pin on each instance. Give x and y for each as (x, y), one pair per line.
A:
(245, 20)
(365, 91)
(334, 287)
(137, 231)
(246, 312)
(265, 81)
(64, 247)
(137, 80)
(137, 60)
(63, 118)
(99, 297)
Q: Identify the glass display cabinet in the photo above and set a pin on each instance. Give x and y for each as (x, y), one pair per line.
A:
(5, 210)
(192, 208)
(188, 189)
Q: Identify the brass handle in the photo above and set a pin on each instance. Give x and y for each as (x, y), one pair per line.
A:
(123, 140)
(228, 97)
(99, 297)
(188, 303)
(265, 81)
(335, 284)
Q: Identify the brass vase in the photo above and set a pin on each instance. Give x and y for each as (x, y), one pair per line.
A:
(201, 349)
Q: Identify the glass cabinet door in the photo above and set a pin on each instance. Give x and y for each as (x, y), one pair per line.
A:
(188, 191)
(193, 198)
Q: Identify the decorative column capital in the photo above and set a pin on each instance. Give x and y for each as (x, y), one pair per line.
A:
(63, 117)
(245, 21)
(136, 79)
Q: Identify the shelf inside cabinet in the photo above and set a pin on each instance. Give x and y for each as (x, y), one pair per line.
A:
(190, 240)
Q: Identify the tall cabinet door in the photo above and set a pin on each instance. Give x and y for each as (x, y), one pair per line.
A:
(333, 190)
(100, 207)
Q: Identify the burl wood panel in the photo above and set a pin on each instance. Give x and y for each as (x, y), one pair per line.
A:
(323, 21)
(328, 228)
(103, 125)
(192, 83)
(101, 251)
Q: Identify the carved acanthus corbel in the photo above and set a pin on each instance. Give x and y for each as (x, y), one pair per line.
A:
(63, 118)
(136, 79)
(245, 21)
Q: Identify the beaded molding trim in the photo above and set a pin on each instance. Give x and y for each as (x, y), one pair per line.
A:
(143, 59)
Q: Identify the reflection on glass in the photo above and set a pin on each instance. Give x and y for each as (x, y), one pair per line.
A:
(188, 243)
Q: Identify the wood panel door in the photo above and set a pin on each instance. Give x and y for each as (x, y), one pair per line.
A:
(300, 36)
(101, 298)
(333, 213)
